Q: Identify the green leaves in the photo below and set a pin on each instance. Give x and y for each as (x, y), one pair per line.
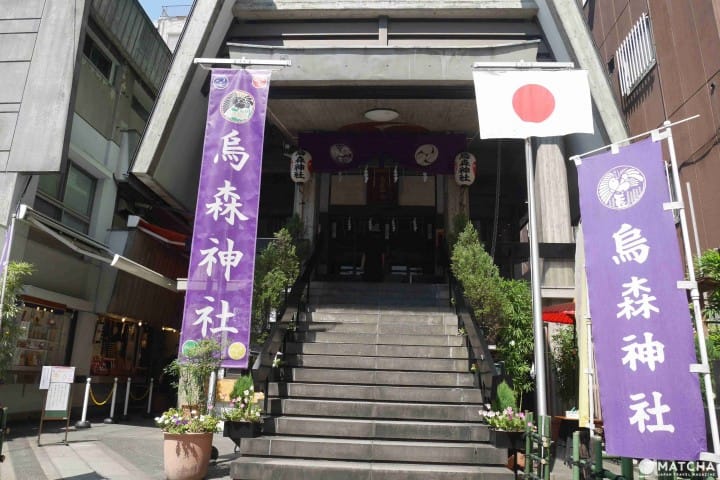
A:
(276, 269)
(503, 307)
(707, 266)
(17, 272)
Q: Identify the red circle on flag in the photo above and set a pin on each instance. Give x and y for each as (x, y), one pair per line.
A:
(533, 103)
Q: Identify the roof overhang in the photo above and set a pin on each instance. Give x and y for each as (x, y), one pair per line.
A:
(90, 248)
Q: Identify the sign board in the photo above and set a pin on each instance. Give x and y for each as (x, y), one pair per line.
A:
(62, 375)
(45, 378)
(58, 383)
(56, 400)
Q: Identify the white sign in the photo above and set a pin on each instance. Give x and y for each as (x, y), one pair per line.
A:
(62, 374)
(57, 397)
(45, 378)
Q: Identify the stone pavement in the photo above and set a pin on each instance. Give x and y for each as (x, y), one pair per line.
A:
(130, 451)
(115, 451)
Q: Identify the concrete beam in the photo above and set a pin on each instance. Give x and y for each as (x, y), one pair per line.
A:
(289, 9)
(383, 65)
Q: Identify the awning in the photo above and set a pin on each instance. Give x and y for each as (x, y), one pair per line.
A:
(560, 313)
(85, 245)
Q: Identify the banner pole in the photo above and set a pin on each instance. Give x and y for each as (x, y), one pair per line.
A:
(694, 294)
(535, 279)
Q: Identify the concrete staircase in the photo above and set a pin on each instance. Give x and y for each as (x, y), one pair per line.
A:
(376, 386)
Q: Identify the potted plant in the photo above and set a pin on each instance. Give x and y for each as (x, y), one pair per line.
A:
(507, 425)
(244, 418)
(192, 371)
(187, 445)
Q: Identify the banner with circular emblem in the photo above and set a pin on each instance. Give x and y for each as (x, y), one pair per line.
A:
(218, 301)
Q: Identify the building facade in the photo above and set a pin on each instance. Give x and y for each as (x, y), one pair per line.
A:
(69, 125)
(662, 60)
(348, 59)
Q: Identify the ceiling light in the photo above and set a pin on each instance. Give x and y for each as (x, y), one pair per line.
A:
(381, 114)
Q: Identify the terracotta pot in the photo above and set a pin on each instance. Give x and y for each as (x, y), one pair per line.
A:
(187, 455)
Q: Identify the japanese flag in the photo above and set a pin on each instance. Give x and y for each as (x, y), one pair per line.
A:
(532, 103)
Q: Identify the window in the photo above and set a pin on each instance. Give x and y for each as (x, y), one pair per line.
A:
(100, 60)
(67, 197)
(140, 109)
(636, 55)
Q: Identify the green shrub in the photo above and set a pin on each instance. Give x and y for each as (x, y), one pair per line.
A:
(192, 371)
(708, 266)
(17, 272)
(505, 397)
(276, 269)
(481, 280)
(503, 307)
(516, 342)
(242, 384)
(565, 363)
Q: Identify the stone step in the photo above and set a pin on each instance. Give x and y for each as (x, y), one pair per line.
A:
(379, 316)
(378, 328)
(372, 428)
(378, 393)
(262, 468)
(379, 377)
(377, 363)
(387, 410)
(469, 453)
(379, 339)
(418, 351)
(389, 300)
(367, 293)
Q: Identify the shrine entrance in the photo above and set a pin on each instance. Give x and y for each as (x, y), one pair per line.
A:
(382, 226)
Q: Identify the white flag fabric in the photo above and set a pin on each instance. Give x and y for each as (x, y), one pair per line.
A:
(532, 103)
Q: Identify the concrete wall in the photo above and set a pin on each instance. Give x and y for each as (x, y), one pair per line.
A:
(39, 45)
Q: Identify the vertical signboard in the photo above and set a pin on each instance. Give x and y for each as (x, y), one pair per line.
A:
(220, 278)
(641, 324)
(56, 404)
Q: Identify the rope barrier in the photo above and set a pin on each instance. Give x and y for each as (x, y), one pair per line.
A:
(95, 401)
(141, 397)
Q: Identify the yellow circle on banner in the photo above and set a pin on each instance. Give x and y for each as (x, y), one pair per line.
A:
(187, 346)
(237, 350)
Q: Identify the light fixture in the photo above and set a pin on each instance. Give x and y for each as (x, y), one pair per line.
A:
(381, 114)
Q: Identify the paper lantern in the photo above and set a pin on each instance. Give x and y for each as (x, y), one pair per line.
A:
(465, 168)
(300, 166)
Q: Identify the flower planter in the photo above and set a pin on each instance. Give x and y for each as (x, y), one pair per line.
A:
(238, 430)
(186, 456)
(506, 439)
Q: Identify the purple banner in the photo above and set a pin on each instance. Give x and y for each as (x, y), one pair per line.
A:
(218, 301)
(641, 324)
(424, 152)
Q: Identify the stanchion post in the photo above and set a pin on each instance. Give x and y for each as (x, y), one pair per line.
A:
(127, 400)
(150, 391)
(83, 423)
(111, 418)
